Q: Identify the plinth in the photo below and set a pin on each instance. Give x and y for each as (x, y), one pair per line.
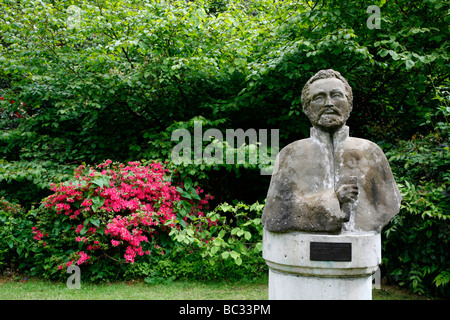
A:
(307, 266)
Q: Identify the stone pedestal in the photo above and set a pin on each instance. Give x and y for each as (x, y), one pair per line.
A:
(306, 266)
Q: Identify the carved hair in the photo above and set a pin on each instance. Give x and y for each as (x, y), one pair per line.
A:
(325, 74)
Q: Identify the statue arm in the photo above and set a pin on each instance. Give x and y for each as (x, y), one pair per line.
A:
(289, 210)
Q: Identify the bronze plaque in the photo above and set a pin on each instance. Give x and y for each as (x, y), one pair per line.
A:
(330, 251)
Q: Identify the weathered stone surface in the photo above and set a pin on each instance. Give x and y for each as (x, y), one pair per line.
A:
(293, 275)
(330, 182)
(290, 253)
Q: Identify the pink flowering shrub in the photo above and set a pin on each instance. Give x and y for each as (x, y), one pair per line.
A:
(114, 213)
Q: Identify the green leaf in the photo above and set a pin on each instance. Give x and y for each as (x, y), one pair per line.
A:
(409, 64)
(193, 194)
(187, 183)
(184, 194)
(84, 230)
(97, 202)
(186, 208)
(85, 227)
(394, 55)
(101, 181)
(95, 222)
(214, 249)
(383, 53)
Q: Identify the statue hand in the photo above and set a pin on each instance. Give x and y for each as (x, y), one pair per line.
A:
(347, 193)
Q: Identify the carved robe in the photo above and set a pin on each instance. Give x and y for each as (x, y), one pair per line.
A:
(307, 173)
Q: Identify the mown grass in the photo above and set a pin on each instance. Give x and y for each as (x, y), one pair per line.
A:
(134, 290)
(38, 289)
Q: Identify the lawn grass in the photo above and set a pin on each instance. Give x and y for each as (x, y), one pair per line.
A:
(37, 289)
(134, 290)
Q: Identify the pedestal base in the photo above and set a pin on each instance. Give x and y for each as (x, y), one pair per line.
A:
(285, 286)
(334, 267)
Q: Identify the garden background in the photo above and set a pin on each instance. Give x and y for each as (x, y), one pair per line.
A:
(91, 91)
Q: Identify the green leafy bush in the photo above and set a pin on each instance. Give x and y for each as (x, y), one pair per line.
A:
(236, 237)
(29, 181)
(229, 249)
(417, 245)
(15, 235)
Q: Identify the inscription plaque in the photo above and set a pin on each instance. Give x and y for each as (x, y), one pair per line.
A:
(330, 251)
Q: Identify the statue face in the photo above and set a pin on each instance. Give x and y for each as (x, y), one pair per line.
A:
(328, 108)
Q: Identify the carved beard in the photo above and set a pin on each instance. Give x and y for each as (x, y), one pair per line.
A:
(329, 120)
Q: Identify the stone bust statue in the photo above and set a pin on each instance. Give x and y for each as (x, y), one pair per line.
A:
(330, 182)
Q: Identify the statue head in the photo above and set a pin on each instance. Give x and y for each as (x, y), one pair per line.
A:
(327, 100)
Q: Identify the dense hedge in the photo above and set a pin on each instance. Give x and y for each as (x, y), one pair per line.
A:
(81, 82)
(417, 245)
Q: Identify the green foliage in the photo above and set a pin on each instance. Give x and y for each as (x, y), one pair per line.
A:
(238, 234)
(15, 232)
(29, 181)
(150, 63)
(231, 249)
(417, 242)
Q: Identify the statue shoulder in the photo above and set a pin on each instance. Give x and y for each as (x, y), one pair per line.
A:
(363, 144)
(291, 154)
(298, 146)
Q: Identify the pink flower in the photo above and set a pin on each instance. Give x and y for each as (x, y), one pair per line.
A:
(79, 227)
(78, 239)
(87, 202)
(37, 234)
(83, 257)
